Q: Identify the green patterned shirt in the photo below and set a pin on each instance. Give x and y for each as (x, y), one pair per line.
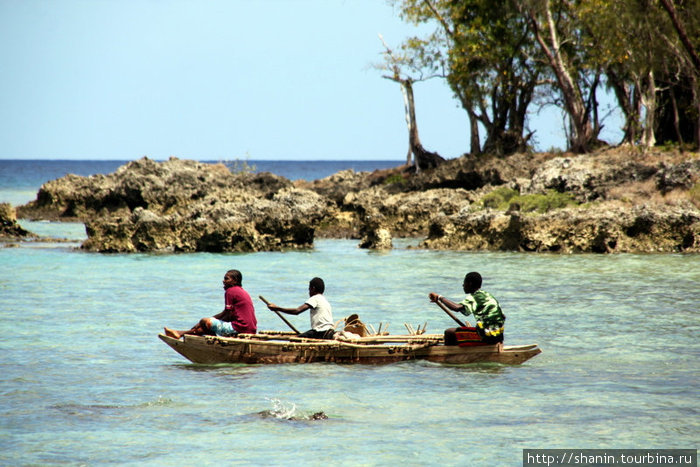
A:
(485, 308)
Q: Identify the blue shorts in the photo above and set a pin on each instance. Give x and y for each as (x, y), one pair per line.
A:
(222, 328)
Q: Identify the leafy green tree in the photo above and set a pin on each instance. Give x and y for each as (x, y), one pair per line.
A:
(555, 26)
(679, 109)
(486, 51)
(625, 56)
(499, 56)
(648, 57)
(492, 69)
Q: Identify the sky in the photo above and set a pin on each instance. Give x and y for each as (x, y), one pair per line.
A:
(215, 80)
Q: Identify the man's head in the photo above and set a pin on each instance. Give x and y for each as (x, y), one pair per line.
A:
(232, 278)
(472, 282)
(316, 285)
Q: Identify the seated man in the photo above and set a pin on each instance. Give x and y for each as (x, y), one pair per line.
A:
(490, 319)
(321, 314)
(238, 315)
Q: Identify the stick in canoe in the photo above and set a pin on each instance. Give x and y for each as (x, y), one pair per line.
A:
(446, 310)
(266, 302)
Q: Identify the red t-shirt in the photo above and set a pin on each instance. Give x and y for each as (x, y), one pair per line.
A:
(241, 312)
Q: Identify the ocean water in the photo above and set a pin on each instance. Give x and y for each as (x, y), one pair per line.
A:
(84, 380)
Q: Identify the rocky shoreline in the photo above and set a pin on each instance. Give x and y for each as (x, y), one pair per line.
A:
(612, 201)
(10, 230)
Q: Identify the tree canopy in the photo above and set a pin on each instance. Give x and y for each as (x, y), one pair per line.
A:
(501, 58)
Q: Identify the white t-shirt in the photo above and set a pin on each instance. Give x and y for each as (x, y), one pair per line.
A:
(321, 315)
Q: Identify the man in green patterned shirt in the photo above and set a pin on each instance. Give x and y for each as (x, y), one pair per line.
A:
(489, 317)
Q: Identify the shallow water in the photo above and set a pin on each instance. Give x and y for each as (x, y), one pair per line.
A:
(85, 380)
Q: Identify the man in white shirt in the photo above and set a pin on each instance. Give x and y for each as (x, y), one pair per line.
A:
(321, 314)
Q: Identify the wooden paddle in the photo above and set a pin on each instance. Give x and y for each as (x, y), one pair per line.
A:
(447, 310)
(278, 314)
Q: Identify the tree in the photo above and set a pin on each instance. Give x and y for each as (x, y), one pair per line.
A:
(492, 69)
(396, 65)
(648, 63)
(679, 109)
(554, 26)
(680, 28)
(501, 55)
(487, 49)
(626, 56)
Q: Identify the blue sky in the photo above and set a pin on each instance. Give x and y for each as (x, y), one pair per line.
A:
(214, 79)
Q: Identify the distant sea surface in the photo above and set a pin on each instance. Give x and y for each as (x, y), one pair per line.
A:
(20, 179)
(84, 379)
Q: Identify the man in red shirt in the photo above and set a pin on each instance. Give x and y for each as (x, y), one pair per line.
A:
(237, 317)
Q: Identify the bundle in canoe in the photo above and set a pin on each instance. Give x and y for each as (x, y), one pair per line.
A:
(285, 347)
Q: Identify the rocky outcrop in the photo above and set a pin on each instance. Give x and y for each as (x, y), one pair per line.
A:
(616, 200)
(590, 179)
(626, 206)
(375, 232)
(683, 175)
(472, 173)
(9, 228)
(408, 213)
(181, 205)
(158, 186)
(600, 229)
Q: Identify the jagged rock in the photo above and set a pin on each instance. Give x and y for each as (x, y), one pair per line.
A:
(157, 186)
(590, 178)
(9, 228)
(474, 172)
(245, 223)
(683, 175)
(181, 205)
(375, 233)
(600, 229)
(408, 214)
(338, 185)
(634, 202)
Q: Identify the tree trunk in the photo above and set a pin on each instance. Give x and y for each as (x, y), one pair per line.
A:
(424, 159)
(574, 104)
(682, 34)
(696, 101)
(409, 122)
(676, 117)
(474, 143)
(630, 104)
(648, 86)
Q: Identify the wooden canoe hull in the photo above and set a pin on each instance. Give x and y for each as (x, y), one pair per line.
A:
(253, 350)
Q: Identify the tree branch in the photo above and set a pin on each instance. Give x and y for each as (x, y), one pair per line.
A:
(682, 34)
(440, 18)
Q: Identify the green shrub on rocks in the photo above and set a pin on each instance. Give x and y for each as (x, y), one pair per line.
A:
(498, 199)
(503, 199)
(395, 179)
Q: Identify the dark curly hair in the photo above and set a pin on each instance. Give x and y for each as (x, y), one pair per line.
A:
(317, 284)
(472, 282)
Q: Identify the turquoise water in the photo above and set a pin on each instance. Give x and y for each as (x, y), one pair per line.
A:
(84, 380)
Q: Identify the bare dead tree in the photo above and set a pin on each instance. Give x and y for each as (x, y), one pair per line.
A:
(423, 159)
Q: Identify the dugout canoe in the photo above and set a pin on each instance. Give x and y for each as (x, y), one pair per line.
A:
(276, 347)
